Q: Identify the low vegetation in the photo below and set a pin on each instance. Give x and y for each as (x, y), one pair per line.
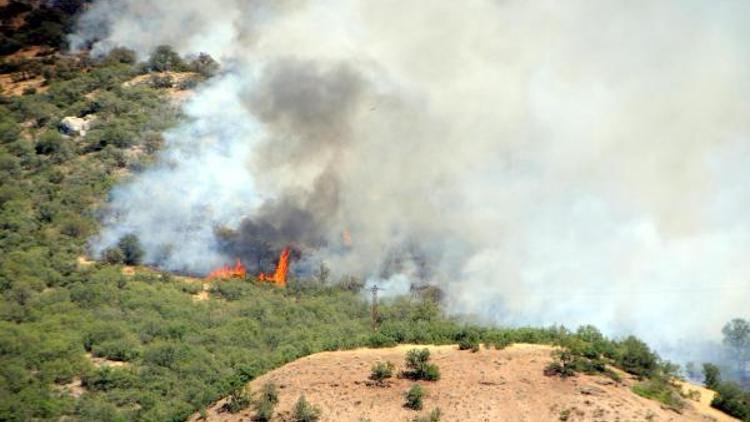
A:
(731, 398)
(433, 416)
(266, 402)
(237, 401)
(304, 411)
(418, 366)
(381, 371)
(414, 397)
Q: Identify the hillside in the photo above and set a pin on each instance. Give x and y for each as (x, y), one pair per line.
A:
(491, 385)
(113, 334)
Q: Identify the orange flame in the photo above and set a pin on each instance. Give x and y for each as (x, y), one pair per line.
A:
(238, 271)
(279, 276)
(346, 238)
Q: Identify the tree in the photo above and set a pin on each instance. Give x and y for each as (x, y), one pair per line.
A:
(121, 55)
(635, 357)
(164, 59)
(737, 338)
(711, 376)
(131, 249)
(205, 65)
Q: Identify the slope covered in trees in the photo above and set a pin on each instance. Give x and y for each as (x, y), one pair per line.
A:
(84, 340)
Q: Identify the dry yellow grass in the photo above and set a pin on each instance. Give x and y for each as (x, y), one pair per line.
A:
(491, 385)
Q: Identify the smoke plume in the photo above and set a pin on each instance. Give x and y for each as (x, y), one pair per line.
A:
(543, 162)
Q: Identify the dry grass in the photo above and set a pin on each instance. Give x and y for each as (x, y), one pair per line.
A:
(102, 362)
(14, 88)
(491, 385)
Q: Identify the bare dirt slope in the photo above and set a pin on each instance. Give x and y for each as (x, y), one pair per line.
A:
(491, 385)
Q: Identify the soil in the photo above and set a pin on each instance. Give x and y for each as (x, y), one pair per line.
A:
(490, 385)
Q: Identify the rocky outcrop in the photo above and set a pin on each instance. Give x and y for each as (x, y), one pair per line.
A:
(75, 126)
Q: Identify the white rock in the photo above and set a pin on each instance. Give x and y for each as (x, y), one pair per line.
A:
(75, 126)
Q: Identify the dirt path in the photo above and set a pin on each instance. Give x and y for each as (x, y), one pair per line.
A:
(491, 385)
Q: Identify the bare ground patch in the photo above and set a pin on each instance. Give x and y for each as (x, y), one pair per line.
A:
(491, 385)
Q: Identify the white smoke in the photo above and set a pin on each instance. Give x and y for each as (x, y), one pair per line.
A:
(553, 162)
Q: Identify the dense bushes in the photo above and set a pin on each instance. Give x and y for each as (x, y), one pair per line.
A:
(732, 399)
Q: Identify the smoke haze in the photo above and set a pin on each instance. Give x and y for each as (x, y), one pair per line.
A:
(543, 162)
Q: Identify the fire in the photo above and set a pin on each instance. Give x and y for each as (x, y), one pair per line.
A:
(346, 238)
(238, 271)
(279, 276)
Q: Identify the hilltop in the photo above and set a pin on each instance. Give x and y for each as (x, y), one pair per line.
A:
(489, 385)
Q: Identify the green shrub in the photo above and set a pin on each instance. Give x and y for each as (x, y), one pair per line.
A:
(238, 400)
(431, 372)
(266, 402)
(113, 256)
(661, 390)
(562, 364)
(161, 81)
(50, 142)
(107, 378)
(635, 357)
(381, 371)
(414, 397)
(733, 400)
(434, 416)
(468, 339)
(304, 411)
(204, 64)
(118, 349)
(418, 366)
(121, 55)
(378, 340)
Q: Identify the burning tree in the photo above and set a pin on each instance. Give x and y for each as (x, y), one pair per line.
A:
(278, 277)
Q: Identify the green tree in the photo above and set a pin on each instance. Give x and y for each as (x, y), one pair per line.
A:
(205, 65)
(635, 357)
(131, 249)
(711, 376)
(737, 339)
(164, 59)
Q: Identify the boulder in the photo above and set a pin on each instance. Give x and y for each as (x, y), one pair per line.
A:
(75, 126)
